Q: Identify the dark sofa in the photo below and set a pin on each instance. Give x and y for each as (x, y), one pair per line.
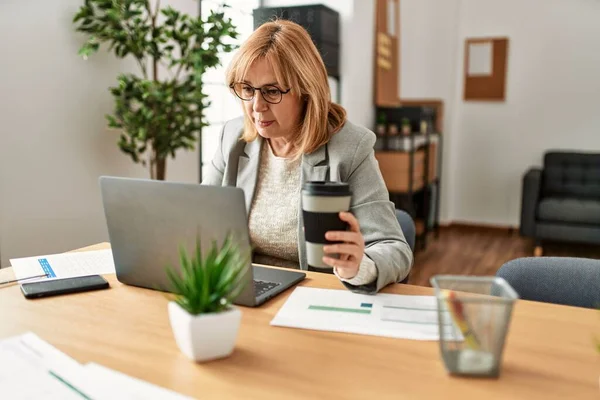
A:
(561, 201)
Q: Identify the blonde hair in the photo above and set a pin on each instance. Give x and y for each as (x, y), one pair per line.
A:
(290, 51)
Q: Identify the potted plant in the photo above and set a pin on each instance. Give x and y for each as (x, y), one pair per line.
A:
(406, 127)
(381, 124)
(205, 324)
(157, 114)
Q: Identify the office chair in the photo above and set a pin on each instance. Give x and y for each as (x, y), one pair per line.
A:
(408, 228)
(559, 280)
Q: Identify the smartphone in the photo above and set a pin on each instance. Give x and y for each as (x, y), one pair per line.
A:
(56, 287)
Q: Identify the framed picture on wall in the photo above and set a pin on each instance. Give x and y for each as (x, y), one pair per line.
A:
(486, 61)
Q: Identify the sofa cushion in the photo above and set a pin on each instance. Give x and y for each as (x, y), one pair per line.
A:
(571, 174)
(569, 210)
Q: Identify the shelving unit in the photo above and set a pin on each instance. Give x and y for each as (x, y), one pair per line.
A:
(411, 164)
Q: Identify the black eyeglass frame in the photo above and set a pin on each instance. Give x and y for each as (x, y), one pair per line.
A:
(282, 92)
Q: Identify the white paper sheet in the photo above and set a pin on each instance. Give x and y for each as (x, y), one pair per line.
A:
(108, 384)
(480, 59)
(65, 265)
(390, 315)
(32, 369)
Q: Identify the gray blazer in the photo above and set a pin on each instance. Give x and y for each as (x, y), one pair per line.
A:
(347, 157)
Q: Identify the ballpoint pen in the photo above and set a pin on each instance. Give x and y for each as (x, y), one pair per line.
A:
(456, 309)
(22, 279)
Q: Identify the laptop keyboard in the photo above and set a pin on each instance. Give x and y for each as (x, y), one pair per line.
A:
(261, 287)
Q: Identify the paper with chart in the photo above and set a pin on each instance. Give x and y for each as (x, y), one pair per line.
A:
(65, 265)
(390, 315)
(31, 368)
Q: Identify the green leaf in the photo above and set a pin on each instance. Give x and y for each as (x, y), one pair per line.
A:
(211, 282)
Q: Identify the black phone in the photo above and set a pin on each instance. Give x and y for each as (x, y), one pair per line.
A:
(54, 287)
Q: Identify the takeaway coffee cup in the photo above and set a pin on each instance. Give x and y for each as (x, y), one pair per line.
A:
(321, 204)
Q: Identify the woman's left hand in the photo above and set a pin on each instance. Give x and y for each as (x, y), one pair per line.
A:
(351, 251)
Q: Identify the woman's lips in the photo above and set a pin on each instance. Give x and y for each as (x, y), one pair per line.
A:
(264, 124)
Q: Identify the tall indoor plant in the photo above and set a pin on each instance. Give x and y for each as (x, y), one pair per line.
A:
(158, 113)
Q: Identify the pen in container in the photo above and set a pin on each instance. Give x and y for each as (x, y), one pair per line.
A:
(456, 309)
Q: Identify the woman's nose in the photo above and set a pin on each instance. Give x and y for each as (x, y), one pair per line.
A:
(258, 103)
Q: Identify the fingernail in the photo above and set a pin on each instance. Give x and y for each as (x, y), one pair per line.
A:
(328, 236)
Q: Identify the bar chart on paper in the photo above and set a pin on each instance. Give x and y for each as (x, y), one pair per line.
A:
(390, 315)
(65, 265)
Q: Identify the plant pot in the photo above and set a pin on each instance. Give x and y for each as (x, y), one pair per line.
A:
(406, 130)
(205, 337)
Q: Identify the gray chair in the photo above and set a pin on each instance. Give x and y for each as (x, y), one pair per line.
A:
(558, 280)
(408, 228)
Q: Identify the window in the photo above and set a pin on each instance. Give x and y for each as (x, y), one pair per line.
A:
(224, 106)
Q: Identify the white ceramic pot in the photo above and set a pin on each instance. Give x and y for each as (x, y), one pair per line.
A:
(205, 337)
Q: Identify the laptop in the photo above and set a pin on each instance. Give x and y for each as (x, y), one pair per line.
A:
(149, 220)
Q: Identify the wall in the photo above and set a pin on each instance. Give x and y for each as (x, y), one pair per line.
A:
(552, 100)
(552, 93)
(53, 137)
(357, 38)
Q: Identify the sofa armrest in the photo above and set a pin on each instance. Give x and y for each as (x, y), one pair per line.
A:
(532, 184)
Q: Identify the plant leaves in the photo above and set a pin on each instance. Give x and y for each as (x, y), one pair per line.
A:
(209, 283)
(161, 113)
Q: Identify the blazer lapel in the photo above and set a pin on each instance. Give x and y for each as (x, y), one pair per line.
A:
(248, 170)
(314, 165)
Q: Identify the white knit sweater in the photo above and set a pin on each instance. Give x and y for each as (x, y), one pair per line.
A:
(273, 221)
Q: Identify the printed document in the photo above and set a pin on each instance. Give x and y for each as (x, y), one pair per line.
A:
(390, 315)
(108, 384)
(65, 265)
(31, 368)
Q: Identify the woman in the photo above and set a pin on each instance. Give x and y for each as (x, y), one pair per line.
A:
(292, 133)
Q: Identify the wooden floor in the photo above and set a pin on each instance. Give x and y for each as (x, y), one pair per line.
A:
(462, 250)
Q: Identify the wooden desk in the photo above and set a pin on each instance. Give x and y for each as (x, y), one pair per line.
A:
(549, 354)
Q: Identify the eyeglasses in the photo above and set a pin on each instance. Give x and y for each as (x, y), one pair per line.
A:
(271, 94)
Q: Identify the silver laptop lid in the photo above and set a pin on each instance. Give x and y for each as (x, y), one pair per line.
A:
(149, 220)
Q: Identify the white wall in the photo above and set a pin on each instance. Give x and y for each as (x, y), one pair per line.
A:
(551, 101)
(357, 19)
(53, 133)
